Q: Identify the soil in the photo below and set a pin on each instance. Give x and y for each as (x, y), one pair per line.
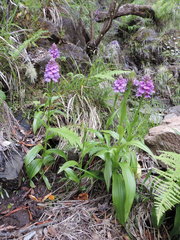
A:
(31, 214)
(68, 213)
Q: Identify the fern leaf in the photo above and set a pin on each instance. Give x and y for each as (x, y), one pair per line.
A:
(109, 75)
(167, 185)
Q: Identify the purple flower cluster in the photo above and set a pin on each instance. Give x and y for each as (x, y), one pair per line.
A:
(52, 68)
(54, 51)
(145, 88)
(120, 85)
(52, 71)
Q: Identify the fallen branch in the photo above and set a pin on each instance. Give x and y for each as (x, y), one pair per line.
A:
(127, 9)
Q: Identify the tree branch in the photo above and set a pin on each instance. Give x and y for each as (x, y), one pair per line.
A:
(127, 9)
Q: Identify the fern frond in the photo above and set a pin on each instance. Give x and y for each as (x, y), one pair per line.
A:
(15, 53)
(167, 185)
(110, 74)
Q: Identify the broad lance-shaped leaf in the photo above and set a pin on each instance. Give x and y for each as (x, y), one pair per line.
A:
(108, 171)
(56, 152)
(32, 154)
(118, 196)
(38, 122)
(113, 134)
(130, 187)
(72, 175)
(33, 167)
(141, 146)
(66, 133)
(48, 185)
(68, 164)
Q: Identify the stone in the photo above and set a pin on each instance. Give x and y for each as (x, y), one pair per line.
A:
(11, 154)
(113, 53)
(165, 137)
(145, 35)
(75, 58)
(172, 112)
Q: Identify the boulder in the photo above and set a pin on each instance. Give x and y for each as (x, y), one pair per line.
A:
(11, 154)
(165, 137)
(172, 112)
(113, 53)
(145, 35)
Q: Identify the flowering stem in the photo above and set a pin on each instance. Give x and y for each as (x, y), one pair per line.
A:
(50, 89)
(135, 119)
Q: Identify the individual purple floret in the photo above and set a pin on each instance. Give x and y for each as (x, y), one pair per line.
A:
(52, 71)
(145, 87)
(120, 85)
(54, 51)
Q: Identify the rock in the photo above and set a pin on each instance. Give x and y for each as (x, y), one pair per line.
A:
(113, 53)
(145, 35)
(11, 155)
(75, 58)
(66, 30)
(165, 137)
(172, 112)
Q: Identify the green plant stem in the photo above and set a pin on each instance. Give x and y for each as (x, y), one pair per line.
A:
(136, 117)
(50, 89)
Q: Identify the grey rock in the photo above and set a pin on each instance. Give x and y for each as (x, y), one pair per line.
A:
(11, 155)
(145, 35)
(11, 163)
(113, 53)
(76, 58)
(165, 137)
(172, 112)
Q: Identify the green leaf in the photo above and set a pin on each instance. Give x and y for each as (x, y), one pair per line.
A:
(108, 171)
(97, 133)
(118, 196)
(32, 154)
(92, 174)
(167, 184)
(45, 179)
(72, 175)
(15, 53)
(107, 139)
(110, 74)
(38, 122)
(176, 227)
(121, 131)
(48, 160)
(88, 147)
(34, 167)
(66, 133)
(67, 165)
(130, 187)
(57, 152)
(112, 134)
(141, 146)
(32, 185)
(111, 119)
(2, 96)
(97, 150)
(131, 159)
(54, 112)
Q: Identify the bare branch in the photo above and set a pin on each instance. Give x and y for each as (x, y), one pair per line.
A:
(127, 9)
(93, 44)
